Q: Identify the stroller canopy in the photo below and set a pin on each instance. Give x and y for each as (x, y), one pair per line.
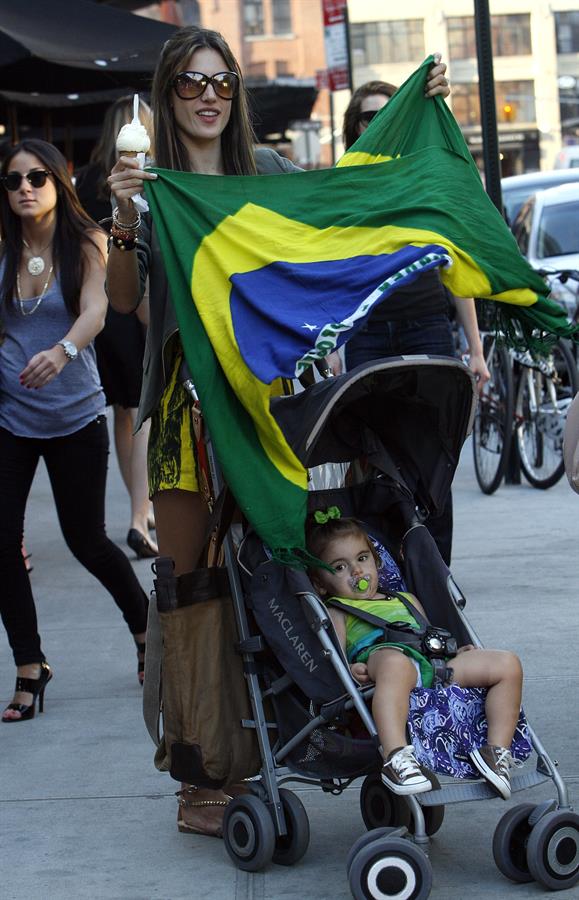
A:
(417, 411)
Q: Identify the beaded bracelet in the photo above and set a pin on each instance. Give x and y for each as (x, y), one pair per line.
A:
(122, 242)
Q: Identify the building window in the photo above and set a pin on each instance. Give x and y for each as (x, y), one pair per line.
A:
(567, 29)
(282, 68)
(190, 12)
(515, 102)
(256, 71)
(253, 17)
(511, 36)
(387, 42)
(282, 16)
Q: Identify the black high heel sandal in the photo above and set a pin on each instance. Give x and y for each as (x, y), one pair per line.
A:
(141, 650)
(34, 686)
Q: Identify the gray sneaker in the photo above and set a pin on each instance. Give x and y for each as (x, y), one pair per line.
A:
(494, 763)
(402, 773)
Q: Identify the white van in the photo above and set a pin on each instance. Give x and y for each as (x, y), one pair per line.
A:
(568, 157)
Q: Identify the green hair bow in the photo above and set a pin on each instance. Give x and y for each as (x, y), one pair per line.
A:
(322, 518)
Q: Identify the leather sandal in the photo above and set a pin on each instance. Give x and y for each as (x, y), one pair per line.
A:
(185, 800)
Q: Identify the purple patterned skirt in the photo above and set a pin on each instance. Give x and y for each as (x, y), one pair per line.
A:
(446, 723)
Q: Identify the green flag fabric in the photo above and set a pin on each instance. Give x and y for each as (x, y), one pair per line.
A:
(269, 273)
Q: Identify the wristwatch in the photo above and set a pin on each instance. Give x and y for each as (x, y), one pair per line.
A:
(70, 349)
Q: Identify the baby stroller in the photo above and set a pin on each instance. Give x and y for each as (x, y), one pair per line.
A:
(399, 426)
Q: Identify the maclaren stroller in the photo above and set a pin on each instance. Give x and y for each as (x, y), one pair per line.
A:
(399, 426)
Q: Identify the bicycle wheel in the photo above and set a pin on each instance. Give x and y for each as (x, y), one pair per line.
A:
(543, 398)
(493, 423)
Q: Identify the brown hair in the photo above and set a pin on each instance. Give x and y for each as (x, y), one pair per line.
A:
(104, 154)
(352, 115)
(73, 228)
(319, 536)
(237, 139)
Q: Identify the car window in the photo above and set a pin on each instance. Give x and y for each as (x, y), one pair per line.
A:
(558, 232)
(522, 226)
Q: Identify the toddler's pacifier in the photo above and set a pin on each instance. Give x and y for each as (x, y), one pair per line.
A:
(360, 583)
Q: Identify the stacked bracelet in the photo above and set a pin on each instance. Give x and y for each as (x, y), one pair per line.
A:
(124, 234)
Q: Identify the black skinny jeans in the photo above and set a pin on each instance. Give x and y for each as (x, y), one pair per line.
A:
(77, 468)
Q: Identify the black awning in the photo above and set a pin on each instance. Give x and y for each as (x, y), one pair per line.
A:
(63, 47)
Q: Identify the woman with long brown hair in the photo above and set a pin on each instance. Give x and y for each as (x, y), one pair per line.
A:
(202, 125)
(52, 304)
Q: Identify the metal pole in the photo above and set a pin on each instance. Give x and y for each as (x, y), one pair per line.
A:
(490, 138)
(348, 48)
(333, 146)
(486, 85)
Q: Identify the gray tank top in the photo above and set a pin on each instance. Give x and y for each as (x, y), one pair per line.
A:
(72, 399)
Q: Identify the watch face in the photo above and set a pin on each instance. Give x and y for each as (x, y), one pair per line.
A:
(70, 350)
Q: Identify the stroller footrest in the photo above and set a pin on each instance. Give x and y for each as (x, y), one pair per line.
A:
(457, 792)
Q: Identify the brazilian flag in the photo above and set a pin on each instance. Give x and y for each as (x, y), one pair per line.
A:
(268, 273)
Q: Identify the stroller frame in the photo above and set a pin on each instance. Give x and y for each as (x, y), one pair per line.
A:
(266, 787)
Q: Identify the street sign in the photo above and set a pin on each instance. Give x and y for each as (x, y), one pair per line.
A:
(336, 43)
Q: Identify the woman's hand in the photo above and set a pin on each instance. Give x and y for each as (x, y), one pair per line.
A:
(126, 180)
(360, 672)
(334, 363)
(43, 367)
(478, 366)
(437, 82)
(465, 648)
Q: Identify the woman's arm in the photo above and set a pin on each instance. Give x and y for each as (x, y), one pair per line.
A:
(123, 280)
(46, 365)
(466, 313)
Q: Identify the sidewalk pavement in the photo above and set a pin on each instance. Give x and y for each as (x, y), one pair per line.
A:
(85, 816)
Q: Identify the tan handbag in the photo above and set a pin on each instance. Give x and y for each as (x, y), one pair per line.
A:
(203, 690)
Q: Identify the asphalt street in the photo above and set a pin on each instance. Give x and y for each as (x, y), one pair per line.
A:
(85, 816)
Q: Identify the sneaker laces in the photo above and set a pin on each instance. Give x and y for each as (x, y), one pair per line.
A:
(506, 761)
(404, 763)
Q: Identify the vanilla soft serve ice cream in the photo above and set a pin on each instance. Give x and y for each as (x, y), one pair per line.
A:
(133, 138)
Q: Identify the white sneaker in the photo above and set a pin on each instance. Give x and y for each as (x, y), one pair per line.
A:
(402, 773)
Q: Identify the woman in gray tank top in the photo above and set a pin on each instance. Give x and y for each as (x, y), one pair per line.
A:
(52, 304)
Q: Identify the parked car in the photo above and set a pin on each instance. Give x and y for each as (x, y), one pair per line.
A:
(518, 188)
(547, 232)
(568, 157)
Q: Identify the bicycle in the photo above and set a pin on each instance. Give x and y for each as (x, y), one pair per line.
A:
(526, 399)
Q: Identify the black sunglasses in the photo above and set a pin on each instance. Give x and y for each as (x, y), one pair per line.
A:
(190, 85)
(366, 117)
(36, 178)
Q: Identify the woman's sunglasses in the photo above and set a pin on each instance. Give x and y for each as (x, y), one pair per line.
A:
(366, 117)
(189, 85)
(36, 178)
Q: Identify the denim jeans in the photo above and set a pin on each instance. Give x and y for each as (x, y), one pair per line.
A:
(77, 468)
(428, 334)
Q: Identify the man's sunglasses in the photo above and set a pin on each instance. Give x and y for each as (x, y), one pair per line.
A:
(366, 117)
(190, 85)
(36, 178)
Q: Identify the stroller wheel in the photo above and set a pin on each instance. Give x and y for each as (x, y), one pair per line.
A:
(553, 850)
(290, 847)
(390, 867)
(433, 819)
(380, 807)
(368, 838)
(248, 833)
(510, 843)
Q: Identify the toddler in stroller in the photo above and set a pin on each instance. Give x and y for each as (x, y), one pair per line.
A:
(399, 659)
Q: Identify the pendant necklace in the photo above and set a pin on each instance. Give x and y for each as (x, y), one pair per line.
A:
(39, 300)
(35, 264)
